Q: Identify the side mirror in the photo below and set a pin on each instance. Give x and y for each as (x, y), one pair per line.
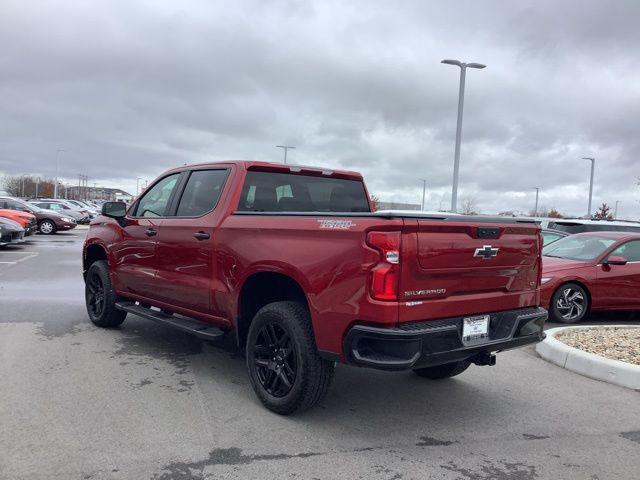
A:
(615, 260)
(115, 210)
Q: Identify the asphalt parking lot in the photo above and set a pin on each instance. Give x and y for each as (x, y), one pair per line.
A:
(148, 402)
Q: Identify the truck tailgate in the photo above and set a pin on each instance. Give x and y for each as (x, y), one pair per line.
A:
(451, 269)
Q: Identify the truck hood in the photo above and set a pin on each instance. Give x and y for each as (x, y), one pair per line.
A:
(554, 264)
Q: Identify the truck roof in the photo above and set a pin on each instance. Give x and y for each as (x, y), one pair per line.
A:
(283, 168)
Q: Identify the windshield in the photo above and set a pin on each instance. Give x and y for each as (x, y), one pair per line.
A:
(578, 247)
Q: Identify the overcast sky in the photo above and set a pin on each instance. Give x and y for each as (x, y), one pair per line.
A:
(129, 89)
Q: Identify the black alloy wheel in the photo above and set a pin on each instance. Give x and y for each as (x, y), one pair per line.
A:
(285, 368)
(96, 298)
(100, 297)
(274, 356)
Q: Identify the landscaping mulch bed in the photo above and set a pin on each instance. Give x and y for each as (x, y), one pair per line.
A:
(618, 343)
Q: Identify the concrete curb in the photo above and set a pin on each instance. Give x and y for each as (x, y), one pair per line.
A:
(589, 364)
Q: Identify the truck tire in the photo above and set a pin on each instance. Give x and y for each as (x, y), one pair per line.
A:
(439, 372)
(285, 369)
(100, 297)
(569, 304)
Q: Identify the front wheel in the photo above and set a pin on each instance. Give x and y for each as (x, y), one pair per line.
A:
(569, 304)
(100, 297)
(285, 369)
(439, 372)
(47, 227)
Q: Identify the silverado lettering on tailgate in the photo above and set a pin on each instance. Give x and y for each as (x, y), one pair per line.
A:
(336, 224)
(415, 293)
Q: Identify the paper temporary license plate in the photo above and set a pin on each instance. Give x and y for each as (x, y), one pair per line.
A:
(474, 328)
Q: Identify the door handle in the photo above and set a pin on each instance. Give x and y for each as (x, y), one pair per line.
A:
(202, 235)
(150, 232)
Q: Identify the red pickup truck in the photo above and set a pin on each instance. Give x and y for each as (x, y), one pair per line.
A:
(294, 263)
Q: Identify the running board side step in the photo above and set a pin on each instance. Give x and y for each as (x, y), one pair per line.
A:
(189, 325)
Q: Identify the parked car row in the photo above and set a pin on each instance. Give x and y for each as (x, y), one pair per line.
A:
(82, 212)
(30, 217)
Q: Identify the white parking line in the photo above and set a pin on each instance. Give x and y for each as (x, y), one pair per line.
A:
(27, 256)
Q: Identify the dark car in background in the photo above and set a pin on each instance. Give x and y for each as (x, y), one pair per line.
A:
(10, 232)
(63, 208)
(49, 221)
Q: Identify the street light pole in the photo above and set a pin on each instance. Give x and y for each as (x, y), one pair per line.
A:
(535, 212)
(456, 159)
(285, 148)
(424, 189)
(615, 212)
(55, 185)
(593, 162)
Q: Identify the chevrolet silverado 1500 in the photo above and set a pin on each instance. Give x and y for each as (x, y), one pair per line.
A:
(293, 262)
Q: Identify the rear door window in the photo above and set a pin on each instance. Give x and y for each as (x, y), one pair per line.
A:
(284, 192)
(201, 193)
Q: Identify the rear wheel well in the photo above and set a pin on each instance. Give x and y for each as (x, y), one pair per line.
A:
(92, 254)
(261, 289)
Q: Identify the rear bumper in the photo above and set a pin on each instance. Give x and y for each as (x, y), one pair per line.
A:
(435, 342)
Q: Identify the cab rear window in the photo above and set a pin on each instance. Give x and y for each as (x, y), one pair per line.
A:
(284, 192)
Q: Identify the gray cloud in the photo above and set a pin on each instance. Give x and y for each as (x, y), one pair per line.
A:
(132, 88)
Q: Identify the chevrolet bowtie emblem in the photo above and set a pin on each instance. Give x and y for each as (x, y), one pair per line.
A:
(486, 252)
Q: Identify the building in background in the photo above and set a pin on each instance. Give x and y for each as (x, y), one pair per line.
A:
(98, 193)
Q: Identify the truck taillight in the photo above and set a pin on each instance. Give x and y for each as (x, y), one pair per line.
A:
(386, 274)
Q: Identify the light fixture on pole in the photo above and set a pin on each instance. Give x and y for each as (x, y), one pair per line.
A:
(456, 160)
(593, 162)
(55, 185)
(285, 148)
(535, 212)
(424, 189)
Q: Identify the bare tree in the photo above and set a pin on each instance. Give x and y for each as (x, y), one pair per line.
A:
(469, 206)
(11, 185)
(28, 186)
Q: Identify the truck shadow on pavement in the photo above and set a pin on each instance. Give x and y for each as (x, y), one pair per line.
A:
(357, 395)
